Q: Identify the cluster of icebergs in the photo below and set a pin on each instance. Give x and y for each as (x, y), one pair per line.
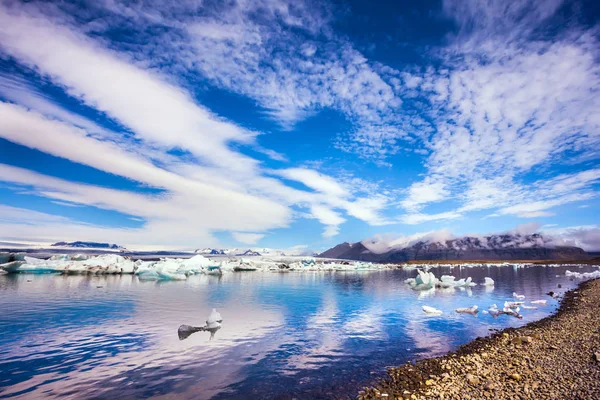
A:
(514, 265)
(583, 275)
(167, 268)
(511, 308)
(428, 281)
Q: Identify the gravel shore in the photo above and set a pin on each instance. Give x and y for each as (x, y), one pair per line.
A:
(557, 357)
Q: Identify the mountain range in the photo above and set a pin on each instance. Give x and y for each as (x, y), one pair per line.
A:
(89, 245)
(494, 247)
(254, 252)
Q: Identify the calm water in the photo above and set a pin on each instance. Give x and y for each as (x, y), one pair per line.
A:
(295, 335)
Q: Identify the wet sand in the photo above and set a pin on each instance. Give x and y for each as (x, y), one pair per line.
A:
(557, 357)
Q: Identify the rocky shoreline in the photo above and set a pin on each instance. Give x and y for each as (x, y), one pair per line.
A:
(557, 357)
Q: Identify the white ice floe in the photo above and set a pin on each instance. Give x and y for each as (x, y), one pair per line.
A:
(468, 310)
(214, 319)
(524, 307)
(488, 281)
(427, 281)
(518, 296)
(513, 304)
(583, 275)
(173, 268)
(539, 302)
(432, 311)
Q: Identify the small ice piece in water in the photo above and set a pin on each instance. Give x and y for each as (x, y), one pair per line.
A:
(512, 304)
(538, 302)
(468, 310)
(432, 311)
(518, 296)
(493, 307)
(514, 313)
(214, 319)
(484, 311)
(488, 281)
(528, 307)
(584, 275)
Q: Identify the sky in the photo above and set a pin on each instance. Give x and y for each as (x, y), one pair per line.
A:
(297, 124)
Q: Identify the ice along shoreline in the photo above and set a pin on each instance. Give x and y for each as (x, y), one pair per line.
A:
(171, 268)
(553, 358)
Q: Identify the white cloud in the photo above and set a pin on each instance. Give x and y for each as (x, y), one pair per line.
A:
(162, 117)
(417, 218)
(314, 180)
(427, 191)
(502, 107)
(247, 237)
(584, 236)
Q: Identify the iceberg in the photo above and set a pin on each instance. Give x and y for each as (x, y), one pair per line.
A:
(543, 302)
(469, 310)
(524, 307)
(22, 267)
(425, 281)
(513, 304)
(214, 319)
(583, 275)
(432, 311)
(148, 275)
(488, 281)
(518, 296)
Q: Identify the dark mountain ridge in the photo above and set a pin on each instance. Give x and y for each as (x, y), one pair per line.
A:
(493, 247)
(88, 245)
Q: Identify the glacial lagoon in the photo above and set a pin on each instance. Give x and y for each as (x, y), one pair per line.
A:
(302, 335)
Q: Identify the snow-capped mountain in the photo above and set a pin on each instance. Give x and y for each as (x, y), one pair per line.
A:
(256, 251)
(208, 251)
(89, 245)
(493, 247)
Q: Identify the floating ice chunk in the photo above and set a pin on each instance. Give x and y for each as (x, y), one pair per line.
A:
(539, 302)
(493, 307)
(426, 279)
(432, 311)
(426, 293)
(583, 275)
(411, 281)
(214, 319)
(447, 281)
(170, 276)
(469, 310)
(494, 312)
(518, 296)
(10, 257)
(466, 283)
(484, 311)
(512, 304)
(514, 313)
(488, 281)
(214, 270)
(528, 307)
(22, 267)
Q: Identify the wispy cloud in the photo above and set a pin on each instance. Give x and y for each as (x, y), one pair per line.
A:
(494, 114)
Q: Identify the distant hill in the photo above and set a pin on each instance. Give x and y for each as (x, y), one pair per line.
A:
(89, 245)
(493, 247)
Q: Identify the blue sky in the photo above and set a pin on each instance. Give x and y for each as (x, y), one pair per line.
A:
(275, 123)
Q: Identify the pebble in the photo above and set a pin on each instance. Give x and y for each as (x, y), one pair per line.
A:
(515, 377)
(472, 379)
